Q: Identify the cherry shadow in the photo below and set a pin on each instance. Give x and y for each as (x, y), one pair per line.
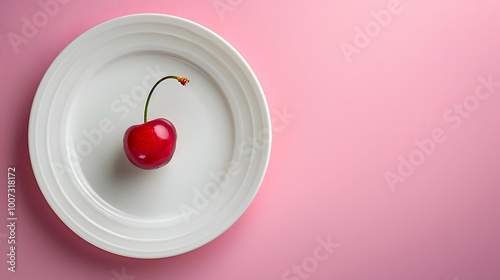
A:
(124, 170)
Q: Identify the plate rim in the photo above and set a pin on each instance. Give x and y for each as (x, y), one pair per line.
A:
(33, 147)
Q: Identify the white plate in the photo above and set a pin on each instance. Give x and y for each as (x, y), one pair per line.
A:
(96, 88)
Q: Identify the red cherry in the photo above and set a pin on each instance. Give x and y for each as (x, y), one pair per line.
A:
(152, 144)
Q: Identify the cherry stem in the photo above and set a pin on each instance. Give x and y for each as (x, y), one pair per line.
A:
(181, 80)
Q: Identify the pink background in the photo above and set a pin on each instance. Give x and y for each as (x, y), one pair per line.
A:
(346, 118)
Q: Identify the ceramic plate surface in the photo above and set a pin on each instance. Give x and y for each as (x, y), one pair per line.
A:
(97, 87)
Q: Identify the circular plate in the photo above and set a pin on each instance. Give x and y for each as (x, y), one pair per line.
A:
(96, 88)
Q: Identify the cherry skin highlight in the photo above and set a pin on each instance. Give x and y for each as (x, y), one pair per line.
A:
(151, 145)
